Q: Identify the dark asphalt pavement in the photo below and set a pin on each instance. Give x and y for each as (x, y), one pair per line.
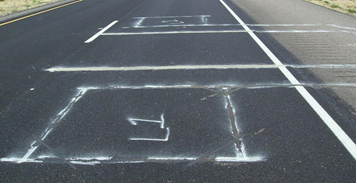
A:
(160, 125)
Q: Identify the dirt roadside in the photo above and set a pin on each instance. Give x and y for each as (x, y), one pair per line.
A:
(344, 6)
(8, 7)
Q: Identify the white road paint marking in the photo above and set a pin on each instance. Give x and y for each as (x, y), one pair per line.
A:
(134, 121)
(303, 31)
(250, 25)
(49, 129)
(240, 159)
(329, 121)
(160, 17)
(223, 31)
(150, 139)
(95, 161)
(342, 27)
(171, 32)
(100, 32)
(192, 67)
(220, 86)
(162, 126)
(239, 149)
(139, 22)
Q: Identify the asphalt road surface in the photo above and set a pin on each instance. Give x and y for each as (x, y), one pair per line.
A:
(165, 91)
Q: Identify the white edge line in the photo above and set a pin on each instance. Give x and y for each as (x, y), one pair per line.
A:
(329, 121)
(100, 32)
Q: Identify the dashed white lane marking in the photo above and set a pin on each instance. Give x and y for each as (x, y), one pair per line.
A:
(191, 67)
(329, 121)
(100, 32)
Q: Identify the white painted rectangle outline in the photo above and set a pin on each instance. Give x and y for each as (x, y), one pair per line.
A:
(327, 119)
(93, 161)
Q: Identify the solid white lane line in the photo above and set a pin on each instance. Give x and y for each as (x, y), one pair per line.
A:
(222, 31)
(100, 32)
(191, 67)
(171, 32)
(329, 121)
(160, 17)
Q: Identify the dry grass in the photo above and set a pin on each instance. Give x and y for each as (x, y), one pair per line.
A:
(12, 6)
(345, 6)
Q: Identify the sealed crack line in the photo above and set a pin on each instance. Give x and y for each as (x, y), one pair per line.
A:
(53, 152)
(48, 130)
(233, 120)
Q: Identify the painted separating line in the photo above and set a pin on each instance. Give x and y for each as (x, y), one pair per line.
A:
(28, 16)
(191, 67)
(221, 31)
(171, 32)
(329, 121)
(160, 17)
(100, 32)
(250, 25)
(220, 86)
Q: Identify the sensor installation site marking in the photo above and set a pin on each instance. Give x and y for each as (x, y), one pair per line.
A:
(157, 131)
(151, 130)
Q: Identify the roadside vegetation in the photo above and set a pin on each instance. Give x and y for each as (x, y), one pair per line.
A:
(344, 6)
(12, 6)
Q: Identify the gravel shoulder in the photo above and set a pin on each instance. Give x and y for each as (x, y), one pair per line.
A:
(8, 7)
(312, 48)
(344, 6)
